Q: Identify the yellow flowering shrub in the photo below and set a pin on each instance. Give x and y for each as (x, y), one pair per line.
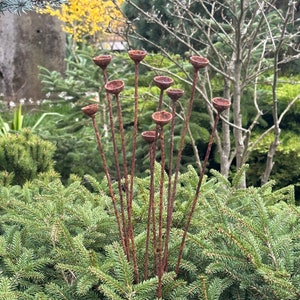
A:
(87, 17)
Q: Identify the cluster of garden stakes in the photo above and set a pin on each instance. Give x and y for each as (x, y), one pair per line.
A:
(157, 231)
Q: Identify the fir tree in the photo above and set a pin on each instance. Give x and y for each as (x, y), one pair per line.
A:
(61, 242)
(21, 6)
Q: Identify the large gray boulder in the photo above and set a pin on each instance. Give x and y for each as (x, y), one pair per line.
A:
(27, 41)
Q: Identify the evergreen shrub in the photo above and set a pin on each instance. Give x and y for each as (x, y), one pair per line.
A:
(24, 155)
(61, 242)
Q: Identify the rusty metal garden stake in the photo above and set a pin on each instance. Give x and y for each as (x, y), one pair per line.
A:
(174, 95)
(137, 56)
(220, 104)
(115, 87)
(150, 138)
(90, 111)
(161, 118)
(119, 176)
(197, 62)
(103, 61)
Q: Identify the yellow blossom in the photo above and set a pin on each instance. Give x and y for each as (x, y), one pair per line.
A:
(87, 17)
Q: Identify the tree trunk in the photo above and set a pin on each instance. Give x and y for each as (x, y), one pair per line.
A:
(28, 41)
(225, 144)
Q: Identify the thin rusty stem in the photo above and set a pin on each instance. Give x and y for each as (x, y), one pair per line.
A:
(159, 286)
(181, 146)
(135, 127)
(150, 209)
(104, 73)
(116, 158)
(161, 118)
(119, 177)
(105, 167)
(157, 262)
(122, 132)
(129, 204)
(170, 204)
(208, 150)
(130, 232)
(153, 212)
(161, 94)
(161, 209)
(183, 134)
(152, 200)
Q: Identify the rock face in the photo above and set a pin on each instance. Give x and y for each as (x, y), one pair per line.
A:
(26, 42)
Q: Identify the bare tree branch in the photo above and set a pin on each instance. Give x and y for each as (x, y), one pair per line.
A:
(244, 40)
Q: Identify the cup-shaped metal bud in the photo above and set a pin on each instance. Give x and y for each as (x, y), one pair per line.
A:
(162, 117)
(102, 61)
(163, 82)
(114, 86)
(149, 136)
(199, 62)
(220, 104)
(90, 110)
(137, 55)
(175, 94)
